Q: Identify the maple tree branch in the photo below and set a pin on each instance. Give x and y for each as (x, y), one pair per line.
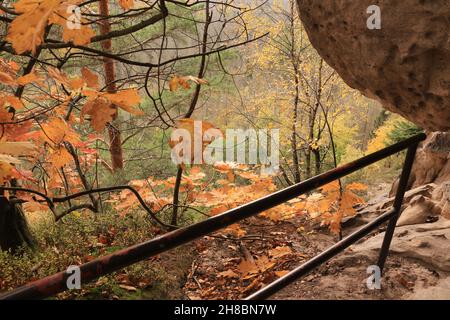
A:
(176, 195)
(81, 174)
(115, 33)
(147, 64)
(51, 201)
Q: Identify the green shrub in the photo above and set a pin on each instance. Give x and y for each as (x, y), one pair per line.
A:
(81, 237)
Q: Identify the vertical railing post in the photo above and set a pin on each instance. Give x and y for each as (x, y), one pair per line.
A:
(398, 201)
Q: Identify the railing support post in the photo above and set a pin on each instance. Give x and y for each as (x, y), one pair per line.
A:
(398, 201)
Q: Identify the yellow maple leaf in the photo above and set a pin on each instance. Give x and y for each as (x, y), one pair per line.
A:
(57, 130)
(59, 157)
(6, 169)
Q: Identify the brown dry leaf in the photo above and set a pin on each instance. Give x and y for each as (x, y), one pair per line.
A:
(193, 296)
(33, 206)
(173, 83)
(235, 230)
(26, 31)
(196, 129)
(100, 111)
(223, 167)
(28, 78)
(280, 252)
(58, 75)
(218, 210)
(7, 79)
(230, 176)
(330, 187)
(78, 37)
(247, 267)
(196, 173)
(255, 284)
(264, 263)
(250, 176)
(281, 273)
(76, 83)
(126, 99)
(90, 78)
(229, 274)
(335, 222)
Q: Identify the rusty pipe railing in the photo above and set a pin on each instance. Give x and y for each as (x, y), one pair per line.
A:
(56, 283)
(391, 216)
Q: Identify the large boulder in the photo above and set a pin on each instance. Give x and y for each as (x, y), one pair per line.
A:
(405, 64)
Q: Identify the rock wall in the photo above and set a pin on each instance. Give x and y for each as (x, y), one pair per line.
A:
(405, 64)
(432, 164)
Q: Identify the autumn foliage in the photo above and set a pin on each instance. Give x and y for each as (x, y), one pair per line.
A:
(70, 96)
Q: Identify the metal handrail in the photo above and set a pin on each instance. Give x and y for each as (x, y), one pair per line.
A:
(56, 283)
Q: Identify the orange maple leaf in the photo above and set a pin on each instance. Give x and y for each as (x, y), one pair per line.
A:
(126, 4)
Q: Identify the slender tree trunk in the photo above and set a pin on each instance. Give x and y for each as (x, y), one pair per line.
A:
(297, 177)
(308, 153)
(294, 145)
(312, 122)
(317, 161)
(115, 140)
(193, 104)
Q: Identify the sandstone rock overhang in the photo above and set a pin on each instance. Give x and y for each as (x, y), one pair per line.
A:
(405, 64)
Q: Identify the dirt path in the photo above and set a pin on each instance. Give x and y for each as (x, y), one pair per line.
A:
(234, 268)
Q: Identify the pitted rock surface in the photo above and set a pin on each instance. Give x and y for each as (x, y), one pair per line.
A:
(405, 64)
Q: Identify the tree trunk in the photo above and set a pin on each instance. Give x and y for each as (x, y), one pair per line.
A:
(14, 231)
(294, 146)
(115, 140)
(317, 161)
